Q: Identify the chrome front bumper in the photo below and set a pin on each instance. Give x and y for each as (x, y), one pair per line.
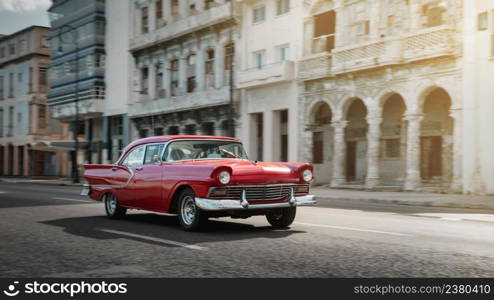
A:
(210, 204)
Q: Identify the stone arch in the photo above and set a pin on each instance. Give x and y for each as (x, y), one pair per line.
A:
(436, 159)
(392, 162)
(355, 113)
(322, 140)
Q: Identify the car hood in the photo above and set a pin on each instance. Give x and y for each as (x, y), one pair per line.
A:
(249, 172)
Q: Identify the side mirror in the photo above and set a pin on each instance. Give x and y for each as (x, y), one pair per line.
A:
(156, 159)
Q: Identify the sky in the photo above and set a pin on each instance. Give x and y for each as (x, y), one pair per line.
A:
(19, 14)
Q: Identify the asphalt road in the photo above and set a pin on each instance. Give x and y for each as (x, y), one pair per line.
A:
(51, 231)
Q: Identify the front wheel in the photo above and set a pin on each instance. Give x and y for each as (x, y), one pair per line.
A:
(113, 210)
(282, 218)
(190, 216)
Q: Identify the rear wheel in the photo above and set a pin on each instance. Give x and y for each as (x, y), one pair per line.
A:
(113, 210)
(190, 216)
(282, 218)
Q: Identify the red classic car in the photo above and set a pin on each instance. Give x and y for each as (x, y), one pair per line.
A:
(199, 177)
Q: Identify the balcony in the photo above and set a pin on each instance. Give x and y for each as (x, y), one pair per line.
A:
(143, 105)
(274, 73)
(215, 15)
(315, 66)
(424, 44)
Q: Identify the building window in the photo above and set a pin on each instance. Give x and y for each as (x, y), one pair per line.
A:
(1, 122)
(191, 70)
(209, 4)
(1, 88)
(282, 6)
(259, 14)
(41, 116)
(209, 68)
(284, 53)
(175, 8)
(22, 46)
(10, 127)
(158, 131)
(160, 91)
(259, 59)
(144, 80)
(174, 77)
(324, 32)
(2, 52)
(43, 80)
(30, 80)
(433, 15)
(143, 133)
(483, 21)
(363, 28)
(160, 22)
(191, 84)
(11, 85)
(144, 20)
(229, 53)
(12, 49)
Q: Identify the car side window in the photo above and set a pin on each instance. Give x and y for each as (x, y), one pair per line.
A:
(135, 157)
(151, 152)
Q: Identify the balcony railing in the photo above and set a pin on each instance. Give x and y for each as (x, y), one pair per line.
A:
(425, 44)
(278, 72)
(315, 66)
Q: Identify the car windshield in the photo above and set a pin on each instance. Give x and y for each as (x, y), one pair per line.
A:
(204, 149)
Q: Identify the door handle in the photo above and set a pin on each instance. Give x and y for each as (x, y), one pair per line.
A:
(139, 169)
(114, 169)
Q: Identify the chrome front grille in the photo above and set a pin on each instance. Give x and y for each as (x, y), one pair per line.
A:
(258, 192)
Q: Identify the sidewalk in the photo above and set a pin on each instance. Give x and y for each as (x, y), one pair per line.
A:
(59, 181)
(405, 198)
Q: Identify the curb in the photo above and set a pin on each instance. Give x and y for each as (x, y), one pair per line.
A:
(412, 203)
(44, 183)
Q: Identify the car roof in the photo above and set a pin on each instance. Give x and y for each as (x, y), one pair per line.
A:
(166, 138)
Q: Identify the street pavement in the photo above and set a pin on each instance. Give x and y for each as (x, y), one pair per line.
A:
(51, 231)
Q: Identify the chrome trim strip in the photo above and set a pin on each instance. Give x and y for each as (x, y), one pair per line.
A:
(215, 205)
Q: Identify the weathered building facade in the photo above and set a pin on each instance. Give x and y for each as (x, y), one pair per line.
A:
(270, 45)
(90, 70)
(183, 54)
(26, 130)
(382, 92)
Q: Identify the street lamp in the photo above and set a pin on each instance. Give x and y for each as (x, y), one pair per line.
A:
(73, 31)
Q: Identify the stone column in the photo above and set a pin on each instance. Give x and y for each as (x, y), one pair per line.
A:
(219, 65)
(200, 69)
(152, 16)
(457, 180)
(182, 75)
(16, 160)
(27, 160)
(167, 78)
(167, 10)
(412, 181)
(373, 146)
(152, 81)
(339, 153)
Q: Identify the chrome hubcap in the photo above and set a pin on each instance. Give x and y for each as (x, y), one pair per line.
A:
(188, 210)
(111, 204)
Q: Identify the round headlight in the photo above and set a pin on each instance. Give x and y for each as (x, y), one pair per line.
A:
(224, 177)
(307, 175)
